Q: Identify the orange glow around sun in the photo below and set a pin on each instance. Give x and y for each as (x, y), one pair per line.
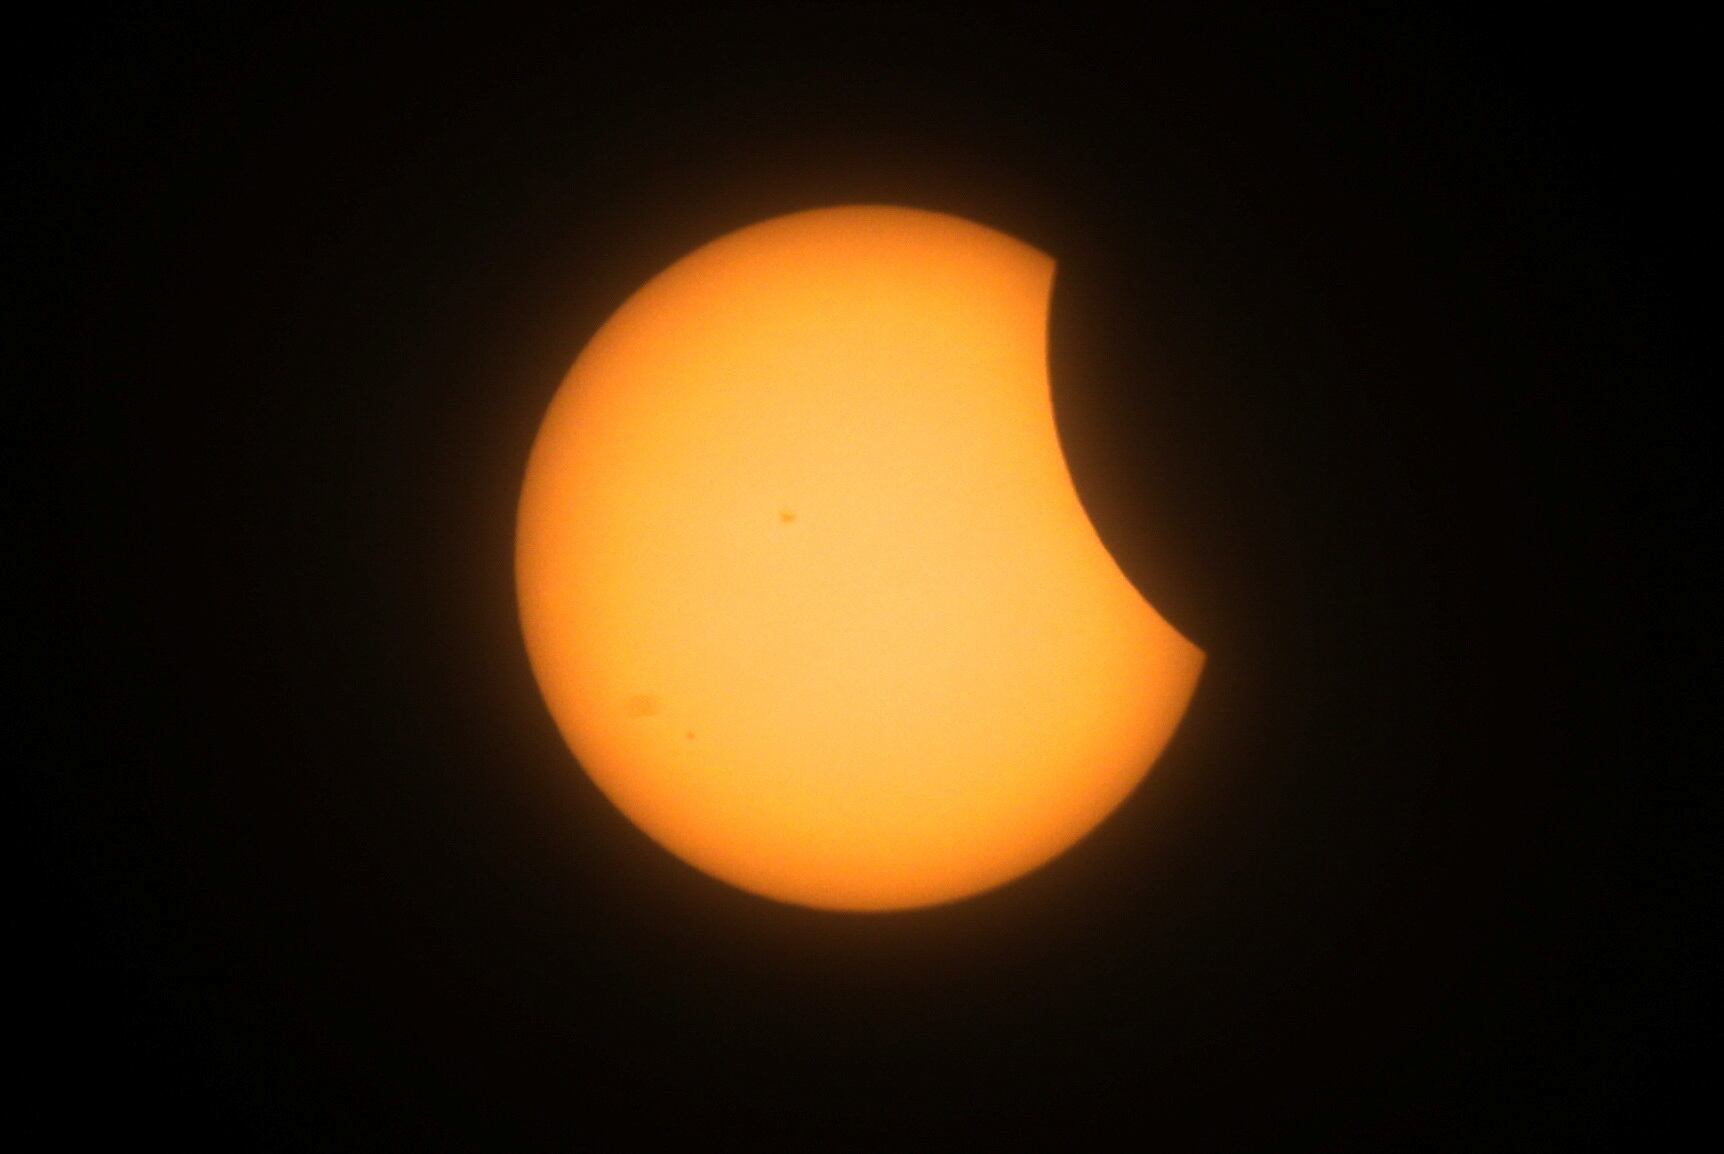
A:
(804, 579)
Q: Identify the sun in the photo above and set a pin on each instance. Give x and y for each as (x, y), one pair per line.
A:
(806, 584)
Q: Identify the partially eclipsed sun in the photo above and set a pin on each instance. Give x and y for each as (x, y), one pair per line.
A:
(805, 581)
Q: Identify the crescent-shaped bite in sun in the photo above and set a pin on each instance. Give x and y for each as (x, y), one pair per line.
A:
(805, 581)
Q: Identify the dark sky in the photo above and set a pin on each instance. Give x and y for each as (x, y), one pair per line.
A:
(1368, 356)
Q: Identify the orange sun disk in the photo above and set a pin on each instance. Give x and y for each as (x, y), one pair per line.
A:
(805, 581)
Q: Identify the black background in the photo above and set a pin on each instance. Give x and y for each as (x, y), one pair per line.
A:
(1365, 353)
